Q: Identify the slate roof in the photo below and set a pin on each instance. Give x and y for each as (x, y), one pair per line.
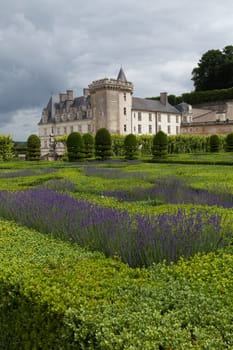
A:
(183, 107)
(122, 76)
(142, 104)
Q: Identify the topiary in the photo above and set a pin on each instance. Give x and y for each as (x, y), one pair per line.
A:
(103, 144)
(33, 147)
(88, 145)
(214, 143)
(229, 142)
(130, 146)
(160, 145)
(74, 145)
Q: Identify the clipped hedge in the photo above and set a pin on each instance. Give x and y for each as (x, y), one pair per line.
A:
(55, 296)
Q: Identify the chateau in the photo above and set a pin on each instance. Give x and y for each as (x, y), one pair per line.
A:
(108, 103)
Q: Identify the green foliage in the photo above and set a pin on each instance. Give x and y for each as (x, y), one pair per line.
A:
(229, 142)
(103, 144)
(160, 145)
(214, 70)
(6, 147)
(118, 145)
(214, 143)
(33, 147)
(55, 296)
(88, 145)
(74, 145)
(130, 147)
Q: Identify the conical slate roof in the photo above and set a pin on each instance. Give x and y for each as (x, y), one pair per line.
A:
(121, 76)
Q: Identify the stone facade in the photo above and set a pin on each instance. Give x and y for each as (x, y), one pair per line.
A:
(106, 103)
(209, 119)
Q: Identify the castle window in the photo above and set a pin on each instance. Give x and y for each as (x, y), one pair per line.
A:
(139, 129)
(139, 116)
(150, 117)
(124, 110)
(159, 117)
(80, 128)
(45, 144)
(65, 130)
(124, 96)
(45, 131)
(177, 119)
(58, 131)
(168, 129)
(125, 128)
(169, 118)
(134, 128)
(150, 129)
(89, 127)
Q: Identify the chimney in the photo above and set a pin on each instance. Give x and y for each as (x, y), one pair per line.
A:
(63, 97)
(70, 96)
(86, 92)
(163, 98)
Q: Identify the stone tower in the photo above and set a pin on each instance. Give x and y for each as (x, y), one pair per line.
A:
(111, 101)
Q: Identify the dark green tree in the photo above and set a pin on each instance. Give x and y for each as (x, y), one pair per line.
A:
(74, 145)
(88, 145)
(130, 147)
(229, 142)
(214, 143)
(160, 145)
(33, 148)
(214, 70)
(103, 144)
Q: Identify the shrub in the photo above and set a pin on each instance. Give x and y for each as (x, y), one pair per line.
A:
(160, 145)
(103, 144)
(33, 147)
(130, 146)
(229, 142)
(74, 146)
(6, 147)
(214, 143)
(88, 145)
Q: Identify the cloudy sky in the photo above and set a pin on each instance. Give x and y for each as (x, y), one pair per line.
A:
(49, 46)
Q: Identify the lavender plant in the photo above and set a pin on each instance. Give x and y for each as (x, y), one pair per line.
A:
(113, 173)
(175, 191)
(26, 172)
(139, 240)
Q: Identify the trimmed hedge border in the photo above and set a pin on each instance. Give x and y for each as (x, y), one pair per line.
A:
(57, 296)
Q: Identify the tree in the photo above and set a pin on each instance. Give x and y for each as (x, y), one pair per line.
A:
(214, 70)
(6, 147)
(214, 143)
(103, 144)
(33, 147)
(160, 145)
(130, 146)
(74, 145)
(88, 145)
(229, 142)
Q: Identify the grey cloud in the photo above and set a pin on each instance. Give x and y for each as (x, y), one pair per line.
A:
(51, 46)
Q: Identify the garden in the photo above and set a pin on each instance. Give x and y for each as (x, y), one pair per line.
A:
(117, 254)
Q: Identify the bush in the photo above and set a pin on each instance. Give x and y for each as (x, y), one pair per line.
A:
(88, 145)
(33, 147)
(103, 144)
(130, 146)
(6, 147)
(214, 143)
(229, 142)
(160, 145)
(74, 146)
